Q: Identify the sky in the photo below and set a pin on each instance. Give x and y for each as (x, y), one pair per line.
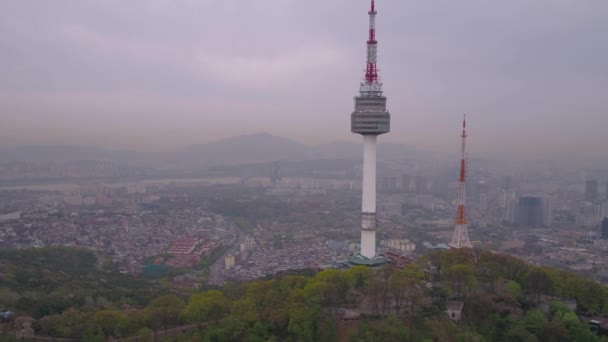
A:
(149, 75)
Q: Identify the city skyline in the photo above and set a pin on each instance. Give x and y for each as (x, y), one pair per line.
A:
(153, 75)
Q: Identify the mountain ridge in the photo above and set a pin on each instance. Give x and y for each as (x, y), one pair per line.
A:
(256, 147)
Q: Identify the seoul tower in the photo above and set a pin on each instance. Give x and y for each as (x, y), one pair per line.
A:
(460, 238)
(370, 119)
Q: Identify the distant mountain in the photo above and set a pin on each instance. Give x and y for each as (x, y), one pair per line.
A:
(264, 147)
(64, 153)
(260, 147)
(247, 148)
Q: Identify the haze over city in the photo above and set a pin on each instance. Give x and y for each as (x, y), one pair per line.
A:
(157, 75)
(284, 170)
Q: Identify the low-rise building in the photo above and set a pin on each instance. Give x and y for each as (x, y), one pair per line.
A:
(454, 310)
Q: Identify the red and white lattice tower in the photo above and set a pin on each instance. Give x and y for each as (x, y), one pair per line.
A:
(460, 238)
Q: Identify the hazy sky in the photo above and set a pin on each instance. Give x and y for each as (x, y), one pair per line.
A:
(148, 74)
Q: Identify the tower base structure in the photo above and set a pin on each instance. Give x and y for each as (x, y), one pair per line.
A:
(359, 259)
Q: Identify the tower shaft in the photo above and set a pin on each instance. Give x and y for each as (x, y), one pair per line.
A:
(460, 238)
(368, 198)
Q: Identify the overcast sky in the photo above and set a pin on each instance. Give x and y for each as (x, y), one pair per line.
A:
(156, 74)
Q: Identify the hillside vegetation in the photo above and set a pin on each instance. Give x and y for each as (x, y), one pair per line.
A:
(502, 297)
(46, 281)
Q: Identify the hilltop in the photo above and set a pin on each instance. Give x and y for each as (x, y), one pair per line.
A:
(502, 297)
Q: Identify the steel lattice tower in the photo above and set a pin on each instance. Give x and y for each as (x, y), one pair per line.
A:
(460, 238)
(370, 119)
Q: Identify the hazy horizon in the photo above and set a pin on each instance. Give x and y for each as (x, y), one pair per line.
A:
(156, 75)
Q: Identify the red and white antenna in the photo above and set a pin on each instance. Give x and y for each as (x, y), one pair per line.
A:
(460, 238)
(371, 73)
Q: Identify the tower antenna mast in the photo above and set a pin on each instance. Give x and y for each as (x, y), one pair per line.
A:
(460, 238)
(371, 73)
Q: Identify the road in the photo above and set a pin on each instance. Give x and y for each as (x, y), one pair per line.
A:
(216, 270)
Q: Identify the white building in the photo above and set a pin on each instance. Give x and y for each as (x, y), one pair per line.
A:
(229, 261)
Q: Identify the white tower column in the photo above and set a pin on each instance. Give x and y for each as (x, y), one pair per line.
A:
(370, 119)
(368, 202)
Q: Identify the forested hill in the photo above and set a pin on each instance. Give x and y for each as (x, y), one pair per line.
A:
(505, 299)
(45, 281)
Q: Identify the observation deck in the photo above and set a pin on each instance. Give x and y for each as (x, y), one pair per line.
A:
(370, 116)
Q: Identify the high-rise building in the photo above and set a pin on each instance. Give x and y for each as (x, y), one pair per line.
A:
(547, 206)
(511, 203)
(506, 192)
(388, 184)
(605, 229)
(503, 199)
(483, 202)
(591, 190)
(533, 211)
(592, 213)
(370, 119)
(420, 183)
(405, 183)
(507, 182)
(482, 193)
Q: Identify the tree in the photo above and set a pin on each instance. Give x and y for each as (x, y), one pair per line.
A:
(394, 330)
(554, 331)
(164, 311)
(8, 297)
(129, 326)
(507, 266)
(534, 321)
(593, 297)
(568, 320)
(316, 293)
(519, 332)
(337, 286)
(326, 330)
(398, 285)
(389, 330)
(302, 323)
(71, 323)
(487, 275)
(259, 332)
(143, 334)
(270, 299)
(107, 321)
(479, 307)
(210, 305)
(383, 281)
(244, 311)
(537, 282)
(361, 276)
(461, 278)
(514, 290)
(580, 332)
